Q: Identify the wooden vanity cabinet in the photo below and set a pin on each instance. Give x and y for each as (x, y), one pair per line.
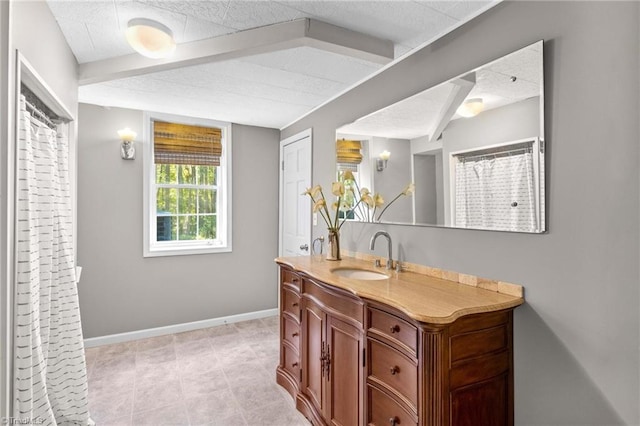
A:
(362, 362)
(392, 368)
(289, 372)
(332, 351)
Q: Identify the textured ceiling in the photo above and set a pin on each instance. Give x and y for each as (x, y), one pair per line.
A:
(270, 89)
(418, 115)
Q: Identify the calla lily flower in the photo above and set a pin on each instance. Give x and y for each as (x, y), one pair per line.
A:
(348, 175)
(313, 192)
(319, 204)
(378, 200)
(368, 200)
(409, 189)
(337, 189)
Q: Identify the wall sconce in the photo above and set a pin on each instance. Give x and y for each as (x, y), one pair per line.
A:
(381, 161)
(127, 151)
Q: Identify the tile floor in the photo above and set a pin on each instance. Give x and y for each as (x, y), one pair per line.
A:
(222, 375)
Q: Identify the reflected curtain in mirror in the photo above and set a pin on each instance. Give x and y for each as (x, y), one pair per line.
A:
(495, 190)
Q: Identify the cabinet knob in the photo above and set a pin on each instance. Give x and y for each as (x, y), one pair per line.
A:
(393, 421)
(294, 334)
(294, 304)
(394, 370)
(295, 280)
(394, 329)
(295, 364)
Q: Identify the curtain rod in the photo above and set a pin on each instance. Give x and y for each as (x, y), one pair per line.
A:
(495, 155)
(497, 151)
(38, 107)
(41, 116)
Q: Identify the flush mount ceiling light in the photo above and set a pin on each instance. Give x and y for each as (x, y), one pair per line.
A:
(471, 107)
(150, 38)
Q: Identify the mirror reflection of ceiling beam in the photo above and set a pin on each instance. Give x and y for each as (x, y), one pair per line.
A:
(286, 35)
(461, 88)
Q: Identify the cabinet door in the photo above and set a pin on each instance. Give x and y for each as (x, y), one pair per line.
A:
(345, 344)
(313, 381)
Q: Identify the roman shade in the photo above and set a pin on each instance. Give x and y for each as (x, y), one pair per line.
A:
(348, 154)
(175, 143)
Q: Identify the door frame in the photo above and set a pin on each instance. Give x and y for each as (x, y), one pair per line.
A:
(284, 142)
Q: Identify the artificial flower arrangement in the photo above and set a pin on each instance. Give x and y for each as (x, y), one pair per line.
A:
(350, 200)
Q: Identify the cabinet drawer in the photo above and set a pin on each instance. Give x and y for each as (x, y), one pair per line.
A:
(290, 278)
(291, 362)
(343, 304)
(291, 302)
(395, 370)
(291, 332)
(384, 411)
(394, 328)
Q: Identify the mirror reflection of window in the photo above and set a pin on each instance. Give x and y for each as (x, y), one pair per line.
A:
(349, 159)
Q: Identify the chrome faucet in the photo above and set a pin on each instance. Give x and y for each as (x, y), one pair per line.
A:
(372, 245)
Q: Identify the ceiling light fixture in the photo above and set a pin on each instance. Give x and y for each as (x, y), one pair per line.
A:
(150, 38)
(471, 107)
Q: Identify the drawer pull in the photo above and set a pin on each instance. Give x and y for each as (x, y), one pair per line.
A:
(295, 280)
(294, 304)
(394, 329)
(295, 364)
(294, 334)
(394, 370)
(393, 421)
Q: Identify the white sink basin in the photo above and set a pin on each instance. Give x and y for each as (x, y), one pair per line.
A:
(359, 274)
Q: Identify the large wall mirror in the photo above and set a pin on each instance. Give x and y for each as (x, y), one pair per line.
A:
(472, 146)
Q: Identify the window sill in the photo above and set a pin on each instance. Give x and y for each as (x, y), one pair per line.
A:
(184, 251)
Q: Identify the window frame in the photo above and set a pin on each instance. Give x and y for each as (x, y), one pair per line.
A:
(154, 248)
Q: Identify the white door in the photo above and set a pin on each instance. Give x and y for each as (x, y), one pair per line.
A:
(295, 209)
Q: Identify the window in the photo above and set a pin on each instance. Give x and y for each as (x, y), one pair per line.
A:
(187, 186)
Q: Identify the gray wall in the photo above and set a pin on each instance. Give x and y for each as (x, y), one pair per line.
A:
(426, 195)
(577, 337)
(394, 178)
(120, 290)
(30, 27)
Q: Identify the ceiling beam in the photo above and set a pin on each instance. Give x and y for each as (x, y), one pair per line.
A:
(462, 87)
(347, 42)
(286, 35)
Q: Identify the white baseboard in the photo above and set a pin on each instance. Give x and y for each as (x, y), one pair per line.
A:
(177, 328)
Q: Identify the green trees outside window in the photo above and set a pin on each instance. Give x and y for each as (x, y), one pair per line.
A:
(186, 202)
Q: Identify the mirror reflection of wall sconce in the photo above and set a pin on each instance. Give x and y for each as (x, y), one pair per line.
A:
(471, 107)
(127, 151)
(381, 162)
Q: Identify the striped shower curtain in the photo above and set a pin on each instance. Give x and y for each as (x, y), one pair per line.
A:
(50, 382)
(496, 193)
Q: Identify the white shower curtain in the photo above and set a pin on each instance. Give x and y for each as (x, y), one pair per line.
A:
(496, 193)
(50, 382)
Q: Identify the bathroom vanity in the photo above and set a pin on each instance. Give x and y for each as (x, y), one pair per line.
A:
(366, 346)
